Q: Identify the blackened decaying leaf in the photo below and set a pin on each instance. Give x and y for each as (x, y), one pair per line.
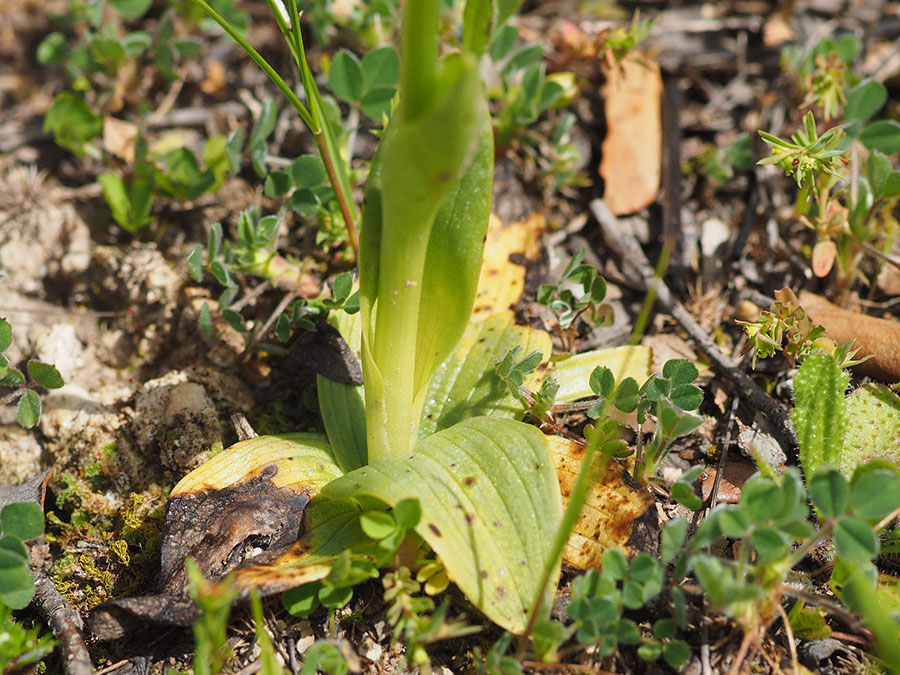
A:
(32, 490)
(325, 352)
(220, 529)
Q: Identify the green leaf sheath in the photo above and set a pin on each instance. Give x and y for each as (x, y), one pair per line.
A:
(426, 212)
(819, 416)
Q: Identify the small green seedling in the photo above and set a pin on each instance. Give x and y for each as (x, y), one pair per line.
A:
(668, 397)
(28, 408)
(848, 209)
(577, 296)
(21, 649)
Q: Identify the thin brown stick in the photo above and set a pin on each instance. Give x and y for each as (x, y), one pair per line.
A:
(789, 633)
(66, 624)
(634, 260)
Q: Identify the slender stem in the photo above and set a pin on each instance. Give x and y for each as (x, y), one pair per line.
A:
(418, 56)
(577, 499)
(261, 62)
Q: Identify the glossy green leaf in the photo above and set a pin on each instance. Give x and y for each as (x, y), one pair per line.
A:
(24, 520)
(864, 100)
(45, 374)
(883, 136)
(423, 230)
(346, 77)
(13, 378)
(819, 416)
(490, 508)
(465, 385)
(28, 409)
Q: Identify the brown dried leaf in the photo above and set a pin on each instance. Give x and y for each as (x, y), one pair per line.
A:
(632, 150)
(119, 138)
(879, 338)
(618, 512)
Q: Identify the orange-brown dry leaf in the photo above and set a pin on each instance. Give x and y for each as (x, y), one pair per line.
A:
(501, 282)
(879, 338)
(618, 513)
(215, 79)
(632, 150)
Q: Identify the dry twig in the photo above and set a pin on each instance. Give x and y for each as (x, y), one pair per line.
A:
(634, 261)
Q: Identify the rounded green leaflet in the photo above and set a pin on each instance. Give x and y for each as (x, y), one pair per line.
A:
(864, 100)
(490, 505)
(14, 574)
(381, 67)
(24, 520)
(875, 494)
(5, 335)
(883, 135)
(854, 540)
(302, 600)
(18, 599)
(346, 77)
(829, 491)
(308, 171)
(45, 375)
(376, 103)
(28, 409)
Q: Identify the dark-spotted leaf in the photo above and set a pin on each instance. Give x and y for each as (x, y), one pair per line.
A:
(490, 508)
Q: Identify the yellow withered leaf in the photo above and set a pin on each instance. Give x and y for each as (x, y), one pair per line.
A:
(502, 281)
(618, 513)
